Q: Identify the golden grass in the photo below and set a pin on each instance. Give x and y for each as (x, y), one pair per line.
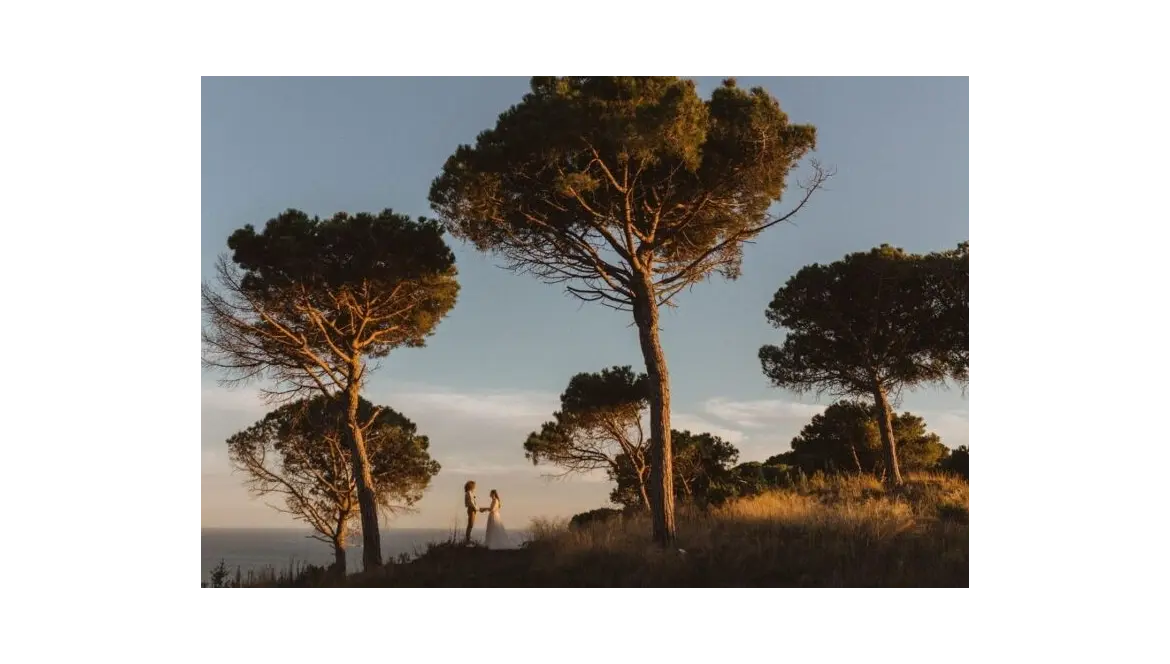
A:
(828, 531)
(831, 531)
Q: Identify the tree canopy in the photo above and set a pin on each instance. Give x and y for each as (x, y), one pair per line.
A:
(754, 477)
(702, 463)
(846, 438)
(871, 324)
(881, 315)
(627, 190)
(306, 302)
(958, 462)
(305, 299)
(596, 180)
(598, 427)
(298, 451)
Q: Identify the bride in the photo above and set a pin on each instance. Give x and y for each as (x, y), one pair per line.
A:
(497, 536)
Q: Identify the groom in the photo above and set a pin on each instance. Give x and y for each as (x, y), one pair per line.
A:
(469, 503)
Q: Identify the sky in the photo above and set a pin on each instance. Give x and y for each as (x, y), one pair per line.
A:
(496, 365)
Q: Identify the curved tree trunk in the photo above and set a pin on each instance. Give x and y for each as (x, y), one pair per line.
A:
(642, 489)
(886, 429)
(661, 472)
(367, 502)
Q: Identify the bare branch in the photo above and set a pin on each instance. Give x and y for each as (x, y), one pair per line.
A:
(702, 265)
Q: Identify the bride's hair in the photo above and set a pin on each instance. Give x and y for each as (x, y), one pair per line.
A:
(470, 486)
(496, 495)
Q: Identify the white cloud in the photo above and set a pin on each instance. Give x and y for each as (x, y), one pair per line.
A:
(512, 407)
(760, 414)
(760, 428)
(463, 465)
(696, 424)
(493, 404)
(953, 426)
(242, 400)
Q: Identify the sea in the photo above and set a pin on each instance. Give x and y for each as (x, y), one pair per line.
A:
(279, 549)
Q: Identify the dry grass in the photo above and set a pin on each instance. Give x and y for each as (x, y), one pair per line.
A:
(844, 531)
(837, 531)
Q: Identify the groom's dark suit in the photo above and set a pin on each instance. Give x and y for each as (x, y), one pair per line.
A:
(469, 501)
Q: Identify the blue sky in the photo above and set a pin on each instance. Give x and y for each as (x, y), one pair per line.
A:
(496, 365)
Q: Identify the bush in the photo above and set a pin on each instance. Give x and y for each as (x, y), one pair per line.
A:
(593, 516)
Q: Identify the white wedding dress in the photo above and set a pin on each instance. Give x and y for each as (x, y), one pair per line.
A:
(497, 536)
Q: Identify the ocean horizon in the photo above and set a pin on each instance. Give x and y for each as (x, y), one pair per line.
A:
(257, 549)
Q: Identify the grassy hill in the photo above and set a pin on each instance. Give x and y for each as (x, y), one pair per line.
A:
(836, 531)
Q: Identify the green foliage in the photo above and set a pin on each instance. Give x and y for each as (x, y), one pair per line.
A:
(876, 318)
(958, 463)
(627, 190)
(307, 298)
(598, 178)
(220, 574)
(591, 399)
(845, 438)
(599, 425)
(754, 478)
(372, 259)
(869, 325)
(947, 284)
(306, 303)
(298, 451)
(593, 516)
(701, 465)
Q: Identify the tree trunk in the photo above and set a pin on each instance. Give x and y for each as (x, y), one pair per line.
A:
(856, 460)
(661, 472)
(886, 429)
(339, 556)
(367, 502)
(642, 489)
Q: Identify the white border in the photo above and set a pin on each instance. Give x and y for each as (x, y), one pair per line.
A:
(101, 155)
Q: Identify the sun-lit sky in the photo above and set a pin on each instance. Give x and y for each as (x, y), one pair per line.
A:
(495, 367)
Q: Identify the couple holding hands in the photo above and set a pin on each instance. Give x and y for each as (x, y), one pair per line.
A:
(497, 536)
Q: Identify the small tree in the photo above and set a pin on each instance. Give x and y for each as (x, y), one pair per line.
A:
(869, 325)
(599, 427)
(752, 478)
(958, 462)
(298, 451)
(219, 576)
(846, 437)
(701, 462)
(306, 303)
(628, 190)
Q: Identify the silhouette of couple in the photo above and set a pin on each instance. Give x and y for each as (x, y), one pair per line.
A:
(497, 536)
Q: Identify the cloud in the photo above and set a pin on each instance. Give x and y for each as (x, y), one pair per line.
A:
(769, 424)
(495, 405)
(760, 414)
(223, 400)
(953, 426)
(463, 465)
(760, 428)
(509, 407)
(696, 424)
